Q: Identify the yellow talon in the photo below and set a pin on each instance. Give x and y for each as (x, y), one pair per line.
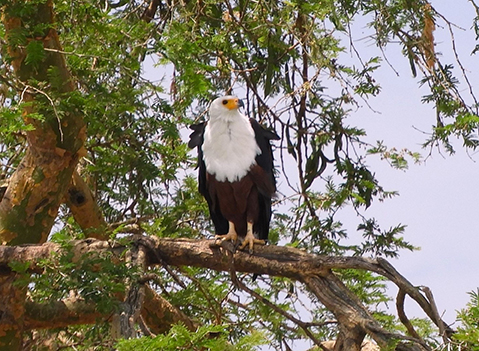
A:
(231, 235)
(250, 240)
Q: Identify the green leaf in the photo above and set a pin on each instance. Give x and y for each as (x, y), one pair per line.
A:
(35, 53)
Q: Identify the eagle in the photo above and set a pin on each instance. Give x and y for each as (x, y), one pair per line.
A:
(235, 172)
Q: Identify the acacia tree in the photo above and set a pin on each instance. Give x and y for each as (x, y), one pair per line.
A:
(96, 174)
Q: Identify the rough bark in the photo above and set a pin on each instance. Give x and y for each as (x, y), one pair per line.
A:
(60, 314)
(124, 321)
(354, 320)
(158, 314)
(351, 315)
(330, 344)
(11, 311)
(313, 270)
(85, 209)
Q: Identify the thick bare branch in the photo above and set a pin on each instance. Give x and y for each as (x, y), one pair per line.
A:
(402, 314)
(351, 315)
(354, 320)
(124, 320)
(11, 311)
(159, 314)
(85, 209)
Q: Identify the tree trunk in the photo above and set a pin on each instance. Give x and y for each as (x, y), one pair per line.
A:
(30, 204)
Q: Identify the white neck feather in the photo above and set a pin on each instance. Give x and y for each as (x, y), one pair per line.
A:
(229, 147)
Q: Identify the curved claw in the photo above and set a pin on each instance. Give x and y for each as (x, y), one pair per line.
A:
(232, 236)
(250, 240)
(227, 241)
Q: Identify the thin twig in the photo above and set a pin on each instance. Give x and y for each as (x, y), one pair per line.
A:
(459, 62)
(51, 102)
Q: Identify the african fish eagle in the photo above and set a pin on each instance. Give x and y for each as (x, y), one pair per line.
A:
(235, 172)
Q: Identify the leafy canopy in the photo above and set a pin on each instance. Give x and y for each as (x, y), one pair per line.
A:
(141, 81)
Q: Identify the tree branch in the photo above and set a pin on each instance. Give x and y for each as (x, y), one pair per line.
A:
(312, 270)
(158, 314)
(60, 314)
(124, 321)
(402, 315)
(85, 209)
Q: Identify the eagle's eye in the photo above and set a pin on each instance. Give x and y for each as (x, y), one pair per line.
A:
(224, 102)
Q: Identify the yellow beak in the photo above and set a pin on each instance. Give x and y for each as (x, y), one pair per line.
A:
(233, 103)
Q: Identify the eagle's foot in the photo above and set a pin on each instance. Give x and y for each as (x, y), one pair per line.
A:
(232, 236)
(249, 241)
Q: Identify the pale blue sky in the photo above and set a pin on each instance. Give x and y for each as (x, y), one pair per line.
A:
(438, 198)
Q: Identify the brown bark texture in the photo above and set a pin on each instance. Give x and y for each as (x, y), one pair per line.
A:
(85, 209)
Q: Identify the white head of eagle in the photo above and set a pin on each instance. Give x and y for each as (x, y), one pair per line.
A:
(229, 146)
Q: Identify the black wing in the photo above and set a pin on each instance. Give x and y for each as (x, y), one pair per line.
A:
(268, 187)
(196, 140)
